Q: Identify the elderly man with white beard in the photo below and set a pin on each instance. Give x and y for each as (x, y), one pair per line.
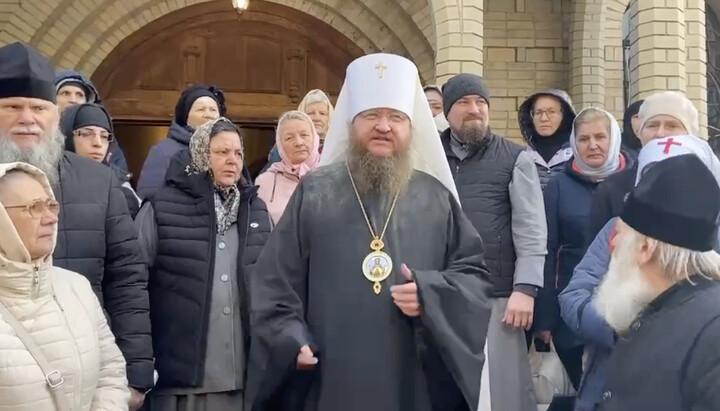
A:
(96, 236)
(662, 293)
(575, 306)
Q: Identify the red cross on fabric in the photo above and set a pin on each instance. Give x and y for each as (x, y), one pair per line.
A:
(669, 143)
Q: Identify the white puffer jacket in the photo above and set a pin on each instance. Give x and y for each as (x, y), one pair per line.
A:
(60, 311)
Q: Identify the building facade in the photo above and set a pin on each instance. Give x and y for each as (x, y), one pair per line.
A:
(603, 52)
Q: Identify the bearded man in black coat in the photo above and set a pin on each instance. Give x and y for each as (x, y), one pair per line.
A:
(96, 236)
(662, 293)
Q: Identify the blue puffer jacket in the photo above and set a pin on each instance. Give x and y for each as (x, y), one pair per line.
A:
(152, 176)
(579, 314)
(567, 207)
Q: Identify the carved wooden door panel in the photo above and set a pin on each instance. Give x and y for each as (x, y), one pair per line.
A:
(265, 61)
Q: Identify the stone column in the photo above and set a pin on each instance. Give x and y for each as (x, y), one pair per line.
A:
(696, 63)
(658, 49)
(459, 25)
(614, 58)
(587, 53)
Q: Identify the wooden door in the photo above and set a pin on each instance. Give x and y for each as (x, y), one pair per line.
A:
(265, 61)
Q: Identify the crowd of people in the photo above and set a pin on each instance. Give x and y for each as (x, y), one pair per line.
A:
(393, 254)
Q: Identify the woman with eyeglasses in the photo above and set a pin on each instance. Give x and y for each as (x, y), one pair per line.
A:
(58, 352)
(88, 133)
(546, 120)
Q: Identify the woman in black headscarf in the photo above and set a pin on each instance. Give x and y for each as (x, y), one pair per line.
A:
(88, 133)
(197, 105)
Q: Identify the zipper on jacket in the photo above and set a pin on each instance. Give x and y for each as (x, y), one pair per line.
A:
(77, 388)
(557, 268)
(272, 196)
(36, 281)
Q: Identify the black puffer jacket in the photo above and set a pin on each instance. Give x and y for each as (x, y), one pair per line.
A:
(97, 238)
(180, 234)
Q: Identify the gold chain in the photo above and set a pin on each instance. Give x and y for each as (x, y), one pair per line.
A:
(362, 208)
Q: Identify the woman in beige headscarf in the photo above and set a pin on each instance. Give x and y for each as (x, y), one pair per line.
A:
(316, 104)
(318, 107)
(58, 352)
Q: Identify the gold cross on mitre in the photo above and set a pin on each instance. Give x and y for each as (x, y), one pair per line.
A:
(381, 67)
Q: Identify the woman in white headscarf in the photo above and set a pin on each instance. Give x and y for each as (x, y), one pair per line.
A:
(595, 140)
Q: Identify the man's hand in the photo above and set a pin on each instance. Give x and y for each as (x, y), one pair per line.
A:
(136, 399)
(306, 359)
(519, 311)
(405, 296)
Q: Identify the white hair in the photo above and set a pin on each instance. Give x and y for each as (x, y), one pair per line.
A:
(680, 264)
(624, 292)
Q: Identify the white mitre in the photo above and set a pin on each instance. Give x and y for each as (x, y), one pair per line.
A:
(388, 81)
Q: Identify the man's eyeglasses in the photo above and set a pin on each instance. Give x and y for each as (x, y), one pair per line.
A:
(38, 207)
(88, 134)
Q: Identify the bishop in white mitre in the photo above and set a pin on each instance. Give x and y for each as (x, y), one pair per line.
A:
(371, 293)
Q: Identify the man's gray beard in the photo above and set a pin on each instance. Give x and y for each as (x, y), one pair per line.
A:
(474, 136)
(624, 292)
(45, 156)
(378, 174)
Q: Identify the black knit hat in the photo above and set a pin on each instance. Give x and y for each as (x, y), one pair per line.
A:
(462, 85)
(677, 202)
(83, 115)
(24, 72)
(192, 93)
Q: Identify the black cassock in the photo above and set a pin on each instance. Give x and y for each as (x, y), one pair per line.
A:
(308, 288)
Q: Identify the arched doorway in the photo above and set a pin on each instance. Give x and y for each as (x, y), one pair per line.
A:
(265, 60)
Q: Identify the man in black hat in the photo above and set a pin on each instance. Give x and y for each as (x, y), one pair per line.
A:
(500, 193)
(662, 292)
(96, 236)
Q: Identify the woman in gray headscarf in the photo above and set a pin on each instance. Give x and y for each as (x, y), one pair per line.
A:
(204, 232)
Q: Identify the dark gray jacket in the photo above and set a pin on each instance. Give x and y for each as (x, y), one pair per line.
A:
(97, 238)
(670, 360)
(500, 193)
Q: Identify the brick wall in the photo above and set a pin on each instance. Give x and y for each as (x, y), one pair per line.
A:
(696, 54)
(526, 50)
(521, 46)
(81, 33)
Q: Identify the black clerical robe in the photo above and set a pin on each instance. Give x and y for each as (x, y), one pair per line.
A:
(308, 288)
